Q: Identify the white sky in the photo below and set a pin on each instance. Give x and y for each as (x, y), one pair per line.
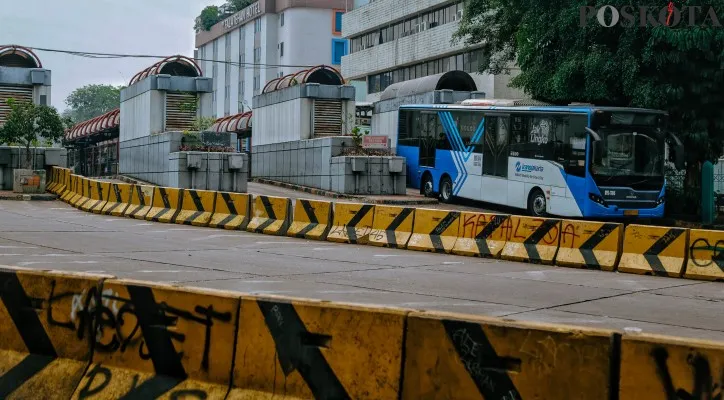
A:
(154, 27)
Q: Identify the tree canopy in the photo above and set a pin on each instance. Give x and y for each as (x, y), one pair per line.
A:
(91, 101)
(676, 68)
(27, 123)
(212, 15)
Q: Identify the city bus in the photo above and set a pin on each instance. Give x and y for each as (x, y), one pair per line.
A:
(572, 161)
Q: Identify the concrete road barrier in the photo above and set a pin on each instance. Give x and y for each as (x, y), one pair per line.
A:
(481, 234)
(231, 211)
(141, 200)
(352, 223)
(319, 350)
(64, 183)
(706, 255)
(94, 195)
(653, 250)
(72, 190)
(532, 240)
(392, 226)
(434, 230)
(591, 245)
(450, 357)
(270, 215)
(53, 180)
(157, 341)
(46, 332)
(312, 219)
(119, 199)
(164, 204)
(84, 193)
(195, 207)
(656, 367)
(104, 189)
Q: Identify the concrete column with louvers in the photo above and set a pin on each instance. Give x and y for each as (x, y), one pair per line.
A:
(327, 118)
(19, 93)
(178, 117)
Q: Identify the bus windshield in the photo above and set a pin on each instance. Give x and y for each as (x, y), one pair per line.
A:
(636, 152)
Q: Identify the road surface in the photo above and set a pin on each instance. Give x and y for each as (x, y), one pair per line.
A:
(53, 235)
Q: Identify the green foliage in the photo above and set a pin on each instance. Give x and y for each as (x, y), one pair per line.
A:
(203, 123)
(189, 106)
(212, 15)
(91, 101)
(27, 122)
(677, 69)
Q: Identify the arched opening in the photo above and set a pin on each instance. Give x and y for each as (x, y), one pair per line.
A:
(453, 80)
(177, 68)
(18, 57)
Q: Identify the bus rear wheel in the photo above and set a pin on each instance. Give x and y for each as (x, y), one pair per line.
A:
(427, 188)
(446, 192)
(537, 203)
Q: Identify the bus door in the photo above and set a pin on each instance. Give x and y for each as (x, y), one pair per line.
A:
(496, 142)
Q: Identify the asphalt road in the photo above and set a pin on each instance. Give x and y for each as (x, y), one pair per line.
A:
(53, 235)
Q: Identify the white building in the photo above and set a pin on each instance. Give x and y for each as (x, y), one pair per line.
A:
(295, 33)
(398, 40)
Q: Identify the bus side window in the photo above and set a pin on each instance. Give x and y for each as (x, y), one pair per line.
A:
(574, 139)
(519, 135)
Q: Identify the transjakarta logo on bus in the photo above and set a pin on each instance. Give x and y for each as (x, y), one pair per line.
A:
(527, 168)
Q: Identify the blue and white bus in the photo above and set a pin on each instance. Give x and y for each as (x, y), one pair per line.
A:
(573, 161)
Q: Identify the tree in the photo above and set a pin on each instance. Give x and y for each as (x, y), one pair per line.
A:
(675, 68)
(26, 123)
(212, 15)
(91, 101)
(238, 5)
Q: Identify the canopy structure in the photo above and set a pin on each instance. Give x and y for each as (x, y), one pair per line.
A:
(239, 123)
(18, 56)
(452, 80)
(101, 124)
(174, 65)
(322, 74)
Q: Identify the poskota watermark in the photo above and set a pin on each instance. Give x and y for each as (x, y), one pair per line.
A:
(669, 15)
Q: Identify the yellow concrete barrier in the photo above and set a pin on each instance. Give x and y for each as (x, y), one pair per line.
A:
(64, 183)
(434, 230)
(94, 194)
(448, 357)
(140, 204)
(231, 211)
(46, 332)
(53, 180)
(591, 245)
(104, 189)
(311, 220)
(270, 215)
(72, 190)
(309, 350)
(119, 198)
(195, 207)
(164, 204)
(656, 367)
(706, 255)
(392, 226)
(156, 341)
(482, 235)
(85, 194)
(532, 240)
(653, 250)
(352, 223)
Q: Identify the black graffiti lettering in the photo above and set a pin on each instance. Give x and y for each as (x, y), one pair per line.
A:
(704, 386)
(703, 254)
(210, 314)
(89, 390)
(189, 394)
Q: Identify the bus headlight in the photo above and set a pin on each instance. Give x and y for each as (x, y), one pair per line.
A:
(661, 200)
(597, 199)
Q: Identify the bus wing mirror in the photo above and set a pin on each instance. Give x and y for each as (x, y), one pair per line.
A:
(593, 134)
(597, 152)
(678, 150)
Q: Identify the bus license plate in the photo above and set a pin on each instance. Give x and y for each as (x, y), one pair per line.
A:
(631, 212)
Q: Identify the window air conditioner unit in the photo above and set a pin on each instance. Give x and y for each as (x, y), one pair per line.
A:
(459, 15)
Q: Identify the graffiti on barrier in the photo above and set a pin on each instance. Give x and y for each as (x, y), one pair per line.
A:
(704, 388)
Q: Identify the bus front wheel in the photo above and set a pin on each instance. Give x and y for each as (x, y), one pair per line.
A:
(427, 188)
(446, 192)
(537, 203)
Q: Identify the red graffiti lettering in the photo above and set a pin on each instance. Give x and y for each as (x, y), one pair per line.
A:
(515, 232)
(506, 228)
(569, 231)
(469, 223)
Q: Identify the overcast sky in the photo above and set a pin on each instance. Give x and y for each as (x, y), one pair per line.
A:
(154, 27)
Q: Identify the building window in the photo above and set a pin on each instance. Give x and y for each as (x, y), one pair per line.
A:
(338, 22)
(257, 55)
(281, 19)
(339, 49)
(281, 49)
(257, 25)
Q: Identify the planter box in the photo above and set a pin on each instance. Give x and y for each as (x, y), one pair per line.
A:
(28, 181)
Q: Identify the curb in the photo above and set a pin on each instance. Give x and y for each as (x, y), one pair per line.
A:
(334, 195)
(29, 197)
